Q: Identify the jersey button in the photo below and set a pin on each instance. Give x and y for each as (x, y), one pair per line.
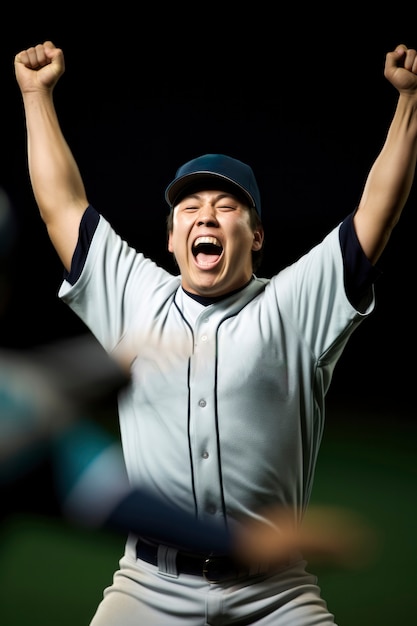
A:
(202, 403)
(205, 454)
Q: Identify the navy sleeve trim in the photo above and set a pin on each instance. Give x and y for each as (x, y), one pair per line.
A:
(88, 225)
(359, 273)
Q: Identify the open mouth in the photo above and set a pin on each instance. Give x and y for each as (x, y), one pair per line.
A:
(207, 250)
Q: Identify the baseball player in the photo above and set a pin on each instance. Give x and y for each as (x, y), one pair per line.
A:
(225, 412)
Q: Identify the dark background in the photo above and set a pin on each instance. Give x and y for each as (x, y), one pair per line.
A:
(303, 99)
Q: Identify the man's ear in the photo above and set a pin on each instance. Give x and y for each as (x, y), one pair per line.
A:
(258, 239)
(170, 248)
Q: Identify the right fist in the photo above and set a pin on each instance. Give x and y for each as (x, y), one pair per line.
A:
(39, 67)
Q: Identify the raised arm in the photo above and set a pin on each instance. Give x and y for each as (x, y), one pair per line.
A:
(55, 177)
(391, 177)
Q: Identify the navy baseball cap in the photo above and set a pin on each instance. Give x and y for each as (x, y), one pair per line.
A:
(213, 168)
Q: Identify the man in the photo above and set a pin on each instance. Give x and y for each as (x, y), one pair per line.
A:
(224, 414)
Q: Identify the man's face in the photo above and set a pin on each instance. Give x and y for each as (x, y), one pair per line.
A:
(212, 241)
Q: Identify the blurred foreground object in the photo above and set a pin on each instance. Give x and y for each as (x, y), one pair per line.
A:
(328, 535)
(45, 399)
(43, 391)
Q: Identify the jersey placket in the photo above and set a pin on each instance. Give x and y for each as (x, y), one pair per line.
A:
(203, 418)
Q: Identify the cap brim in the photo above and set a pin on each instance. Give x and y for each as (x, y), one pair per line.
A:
(200, 180)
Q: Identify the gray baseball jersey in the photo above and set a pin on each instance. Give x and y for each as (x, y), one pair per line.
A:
(225, 412)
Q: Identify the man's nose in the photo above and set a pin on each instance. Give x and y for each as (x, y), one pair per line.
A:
(207, 216)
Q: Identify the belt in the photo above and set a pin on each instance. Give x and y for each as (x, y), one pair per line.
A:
(213, 568)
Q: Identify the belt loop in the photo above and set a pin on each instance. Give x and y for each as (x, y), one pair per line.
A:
(167, 561)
